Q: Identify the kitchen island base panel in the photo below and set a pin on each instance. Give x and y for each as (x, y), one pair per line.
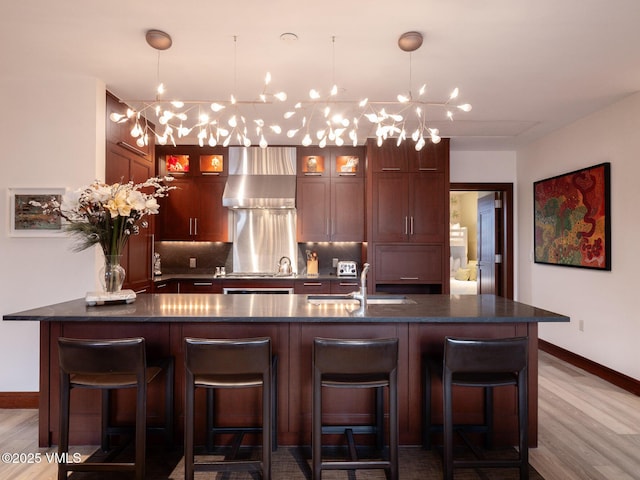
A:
(292, 342)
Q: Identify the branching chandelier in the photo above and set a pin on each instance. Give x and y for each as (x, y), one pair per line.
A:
(317, 120)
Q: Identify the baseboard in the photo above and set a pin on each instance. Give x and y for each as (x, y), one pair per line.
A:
(19, 399)
(616, 378)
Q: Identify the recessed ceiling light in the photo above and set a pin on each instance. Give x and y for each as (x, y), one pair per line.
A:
(288, 37)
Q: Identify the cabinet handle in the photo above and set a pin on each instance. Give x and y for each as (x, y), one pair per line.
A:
(348, 284)
(195, 223)
(312, 174)
(210, 173)
(312, 284)
(347, 174)
(406, 225)
(327, 229)
(142, 290)
(190, 225)
(202, 284)
(428, 169)
(132, 149)
(390, 169)
(411, 225)
(161, 285)
(409, 278)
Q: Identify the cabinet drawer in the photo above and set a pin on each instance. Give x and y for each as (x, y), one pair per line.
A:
(310, 286)
(345, 285)
(408, 263)
(165, 286)
(200, 286)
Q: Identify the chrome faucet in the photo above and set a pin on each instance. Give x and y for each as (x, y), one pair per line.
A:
(361, 295)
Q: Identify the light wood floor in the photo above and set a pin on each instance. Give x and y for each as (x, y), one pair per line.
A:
(589, 429)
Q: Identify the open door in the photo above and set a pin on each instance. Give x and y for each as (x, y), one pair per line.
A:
(489, 248)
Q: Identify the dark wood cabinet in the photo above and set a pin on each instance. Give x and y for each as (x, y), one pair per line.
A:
(125, 162)
(408, 208)
(194, 210)
(345, 285)
(330, 195)
(199, 286)
(312, 286)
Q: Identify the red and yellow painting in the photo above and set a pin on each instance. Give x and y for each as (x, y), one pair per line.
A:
(572, 219)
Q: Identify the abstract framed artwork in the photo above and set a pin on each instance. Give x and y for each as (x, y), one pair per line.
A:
(572, 219)
(27, 220)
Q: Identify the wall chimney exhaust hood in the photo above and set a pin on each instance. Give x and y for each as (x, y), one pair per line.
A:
(261, 178)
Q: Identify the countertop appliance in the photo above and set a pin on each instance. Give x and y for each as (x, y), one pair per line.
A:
(347, 269)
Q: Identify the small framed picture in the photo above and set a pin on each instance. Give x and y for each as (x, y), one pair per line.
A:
(28, 220)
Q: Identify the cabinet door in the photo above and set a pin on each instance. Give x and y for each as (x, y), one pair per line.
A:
(211, 219)
(177, 211)
(389, 157)
(408, 264)
(313, 204)
(347, 209)
(426, 208)
(390, 220)
(434, 157)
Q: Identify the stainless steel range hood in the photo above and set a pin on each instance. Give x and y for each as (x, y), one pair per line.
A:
(261, 193)
(261, 178)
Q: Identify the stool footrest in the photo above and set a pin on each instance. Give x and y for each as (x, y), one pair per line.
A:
(487, 463)
(351, 465)
(357, 429)
(228, 466)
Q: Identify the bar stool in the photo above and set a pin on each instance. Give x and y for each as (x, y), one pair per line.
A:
(166, 365)
(213, 429)
(224, 363)
(485, 363)
(104, 364)
(358, 363)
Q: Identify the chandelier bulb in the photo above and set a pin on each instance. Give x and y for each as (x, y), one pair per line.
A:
(465, 107)
(263, 142)
(306, 141)
(323, 142)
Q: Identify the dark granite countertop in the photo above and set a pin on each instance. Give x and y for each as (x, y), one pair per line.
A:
(292, 309)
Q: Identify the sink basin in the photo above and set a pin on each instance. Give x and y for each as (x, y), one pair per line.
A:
(371, 300)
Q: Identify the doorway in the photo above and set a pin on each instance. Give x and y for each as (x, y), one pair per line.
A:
(490, 234)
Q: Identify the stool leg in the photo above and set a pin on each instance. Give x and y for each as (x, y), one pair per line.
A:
(188, 426)
(274, 402)
(523, 426)
(379, 418)
(141, 430)
(267, 413)
(63, 427)
(394, 474)
(106, 409)
(488, 417)
(316, 429)
(447, 461)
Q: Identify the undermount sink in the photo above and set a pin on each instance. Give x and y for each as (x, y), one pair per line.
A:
(371, 300)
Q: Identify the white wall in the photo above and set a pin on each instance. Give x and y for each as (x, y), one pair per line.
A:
(65, 148)
(604, 301)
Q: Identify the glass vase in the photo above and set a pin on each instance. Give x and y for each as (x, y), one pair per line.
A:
(112, 274)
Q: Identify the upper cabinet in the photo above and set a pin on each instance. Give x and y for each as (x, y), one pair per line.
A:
(330, 194)
(193, 211)
(125, 161)
(390, 157)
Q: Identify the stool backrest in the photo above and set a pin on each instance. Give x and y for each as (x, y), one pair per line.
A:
(227, 356)
(82, 356)
(361, 356)
(486, 355)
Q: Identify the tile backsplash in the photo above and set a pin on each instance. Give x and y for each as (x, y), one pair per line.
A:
(175, 256)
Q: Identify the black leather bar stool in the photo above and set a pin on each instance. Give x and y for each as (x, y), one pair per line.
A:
(485, 363)
(432, 368)
(166, 365)
(224, 363)
(358, 363)
(104, 364)
(239, 431)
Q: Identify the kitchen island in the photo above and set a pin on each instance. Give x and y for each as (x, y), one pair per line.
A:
(292, 322)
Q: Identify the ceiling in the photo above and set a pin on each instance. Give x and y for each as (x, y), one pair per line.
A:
(527, 67)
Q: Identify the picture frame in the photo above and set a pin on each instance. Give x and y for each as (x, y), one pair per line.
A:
(572, 219)
(26, 220)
